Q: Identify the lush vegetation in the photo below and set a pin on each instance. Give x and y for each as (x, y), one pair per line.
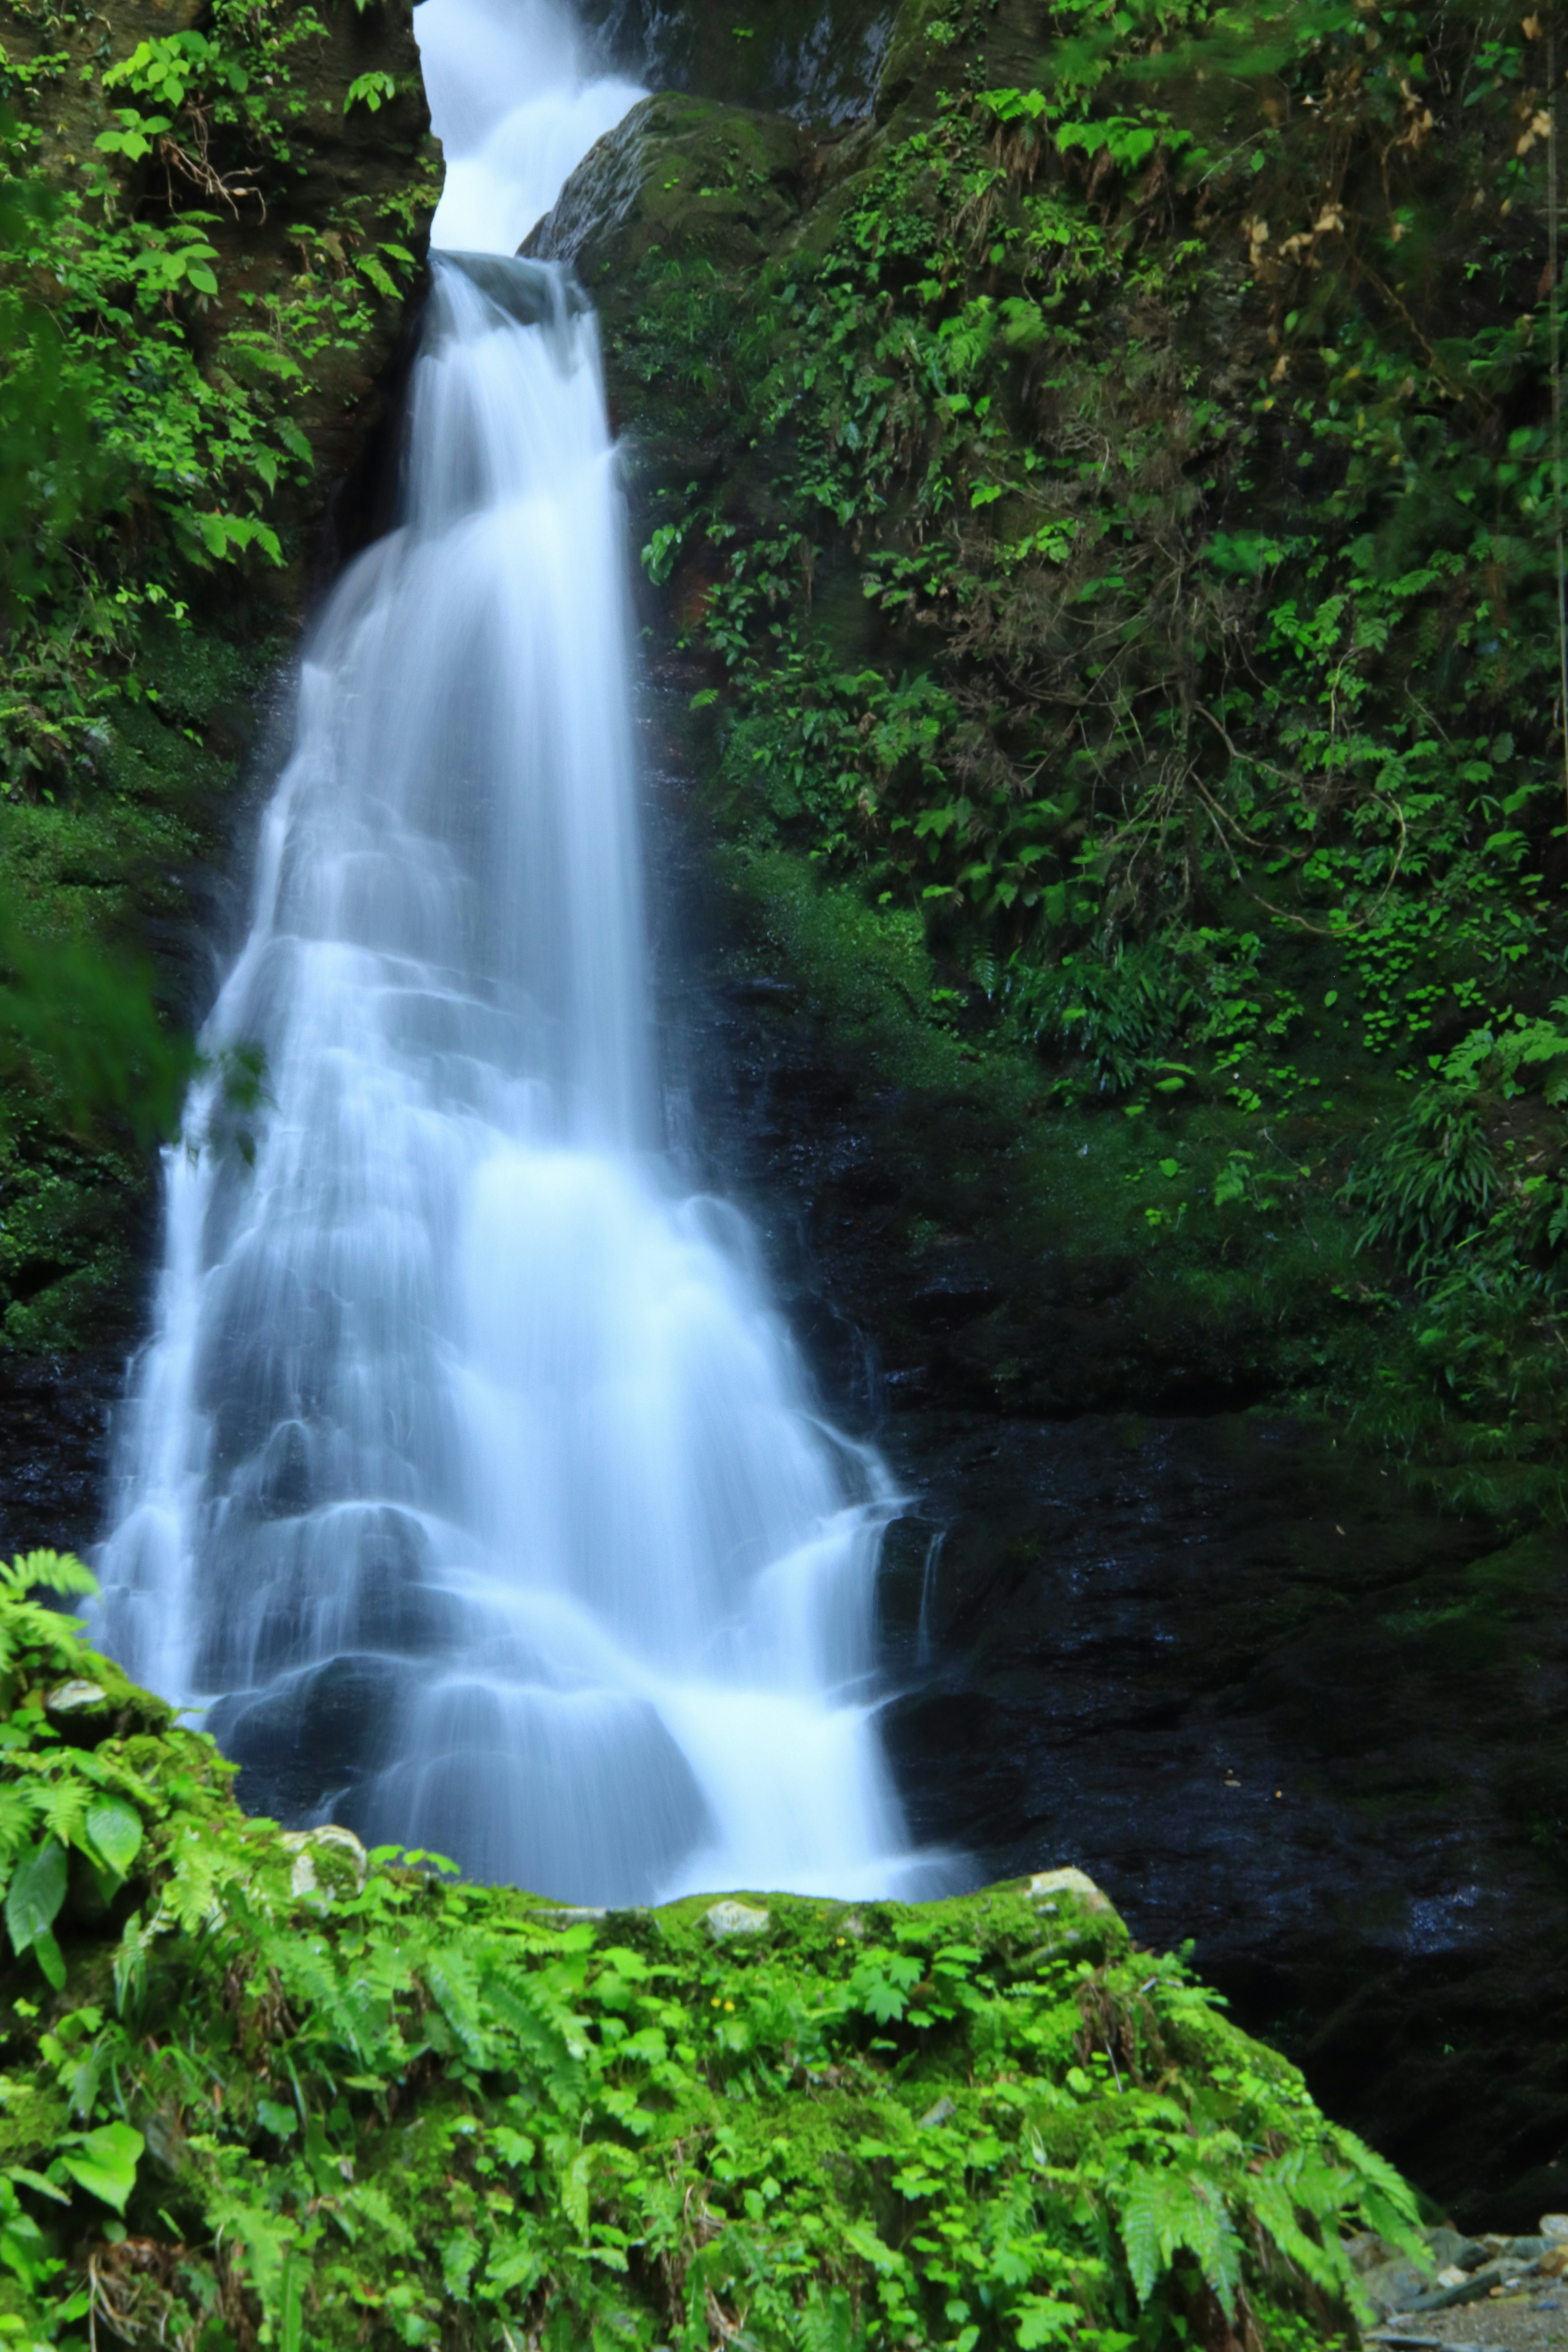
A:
(265, 2089)
(180, 318)
(1133, 554)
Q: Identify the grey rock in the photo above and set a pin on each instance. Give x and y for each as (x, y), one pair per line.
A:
(1068, 1881)
(1452, 2252)
(1396, 2286)
(76, 1698)
(734, 1920)
(1501, 2270)
(329, 1860)
(941, 2113)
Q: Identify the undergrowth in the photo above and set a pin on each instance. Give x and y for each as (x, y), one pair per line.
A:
(183, 314)
(262, 2089)
(1179, 424)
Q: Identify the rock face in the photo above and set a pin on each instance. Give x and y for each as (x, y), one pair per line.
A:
(818, 64)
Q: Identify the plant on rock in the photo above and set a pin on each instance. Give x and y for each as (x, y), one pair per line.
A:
(261, 2089)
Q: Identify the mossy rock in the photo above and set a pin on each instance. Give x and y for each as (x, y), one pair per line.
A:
(680, 179)
(267, 2087)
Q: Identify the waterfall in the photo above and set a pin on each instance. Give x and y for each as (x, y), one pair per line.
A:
(469, 1481)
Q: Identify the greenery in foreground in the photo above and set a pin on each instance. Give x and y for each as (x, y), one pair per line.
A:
(1129, 568)
(254, 2092)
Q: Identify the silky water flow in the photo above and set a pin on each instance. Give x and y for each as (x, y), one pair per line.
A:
(469, 1481)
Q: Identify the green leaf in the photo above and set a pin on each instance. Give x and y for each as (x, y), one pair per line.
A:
(115, 1827)
(36, 1892)
(296, 2273)
(36, 2181)
(1042, 2321)
(104, 2162)
(280, 2121)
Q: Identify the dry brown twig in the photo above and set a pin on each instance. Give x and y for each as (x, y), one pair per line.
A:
(200, 170)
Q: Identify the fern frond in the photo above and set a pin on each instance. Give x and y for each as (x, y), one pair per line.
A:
(63, 1805)
(1375, 2174)
(58, 1571)
(19, 1811)
(1276, 2199)
(1168, 2212)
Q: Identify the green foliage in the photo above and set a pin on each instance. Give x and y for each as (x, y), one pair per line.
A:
(370, 90)
(1117, 1015)
(1181, 424)
(170, 340)
(1432, 1183)
(266, 2086)
(86, 1027)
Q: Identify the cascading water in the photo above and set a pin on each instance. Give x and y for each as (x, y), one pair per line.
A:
(466, 1457)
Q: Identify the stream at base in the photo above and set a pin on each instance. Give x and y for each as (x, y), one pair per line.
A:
(460, 1431)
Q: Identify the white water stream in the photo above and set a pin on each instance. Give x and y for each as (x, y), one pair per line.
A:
(458, 1425)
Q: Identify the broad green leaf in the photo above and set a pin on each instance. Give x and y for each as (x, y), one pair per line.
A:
(36, 2181)
(36, 1892)
(104, 2162)
(115, 1827)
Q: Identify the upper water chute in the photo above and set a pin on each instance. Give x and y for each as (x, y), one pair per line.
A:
(470, 1477)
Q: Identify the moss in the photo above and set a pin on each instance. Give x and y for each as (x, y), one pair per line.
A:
(683, 179)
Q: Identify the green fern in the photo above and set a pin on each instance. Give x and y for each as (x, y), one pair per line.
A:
(1173, 2211)
(29, 1625)
(1431, 1185)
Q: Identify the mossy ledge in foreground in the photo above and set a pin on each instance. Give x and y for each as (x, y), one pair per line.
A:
(260, 2088)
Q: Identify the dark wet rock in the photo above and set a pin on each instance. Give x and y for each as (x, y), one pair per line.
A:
(55, 1417)
(1449, 2298)
(815, 62)
(306, 1741)
(1449, 2250)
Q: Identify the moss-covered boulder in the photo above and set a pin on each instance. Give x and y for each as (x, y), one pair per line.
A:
(679, 179)
(268, 2089)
